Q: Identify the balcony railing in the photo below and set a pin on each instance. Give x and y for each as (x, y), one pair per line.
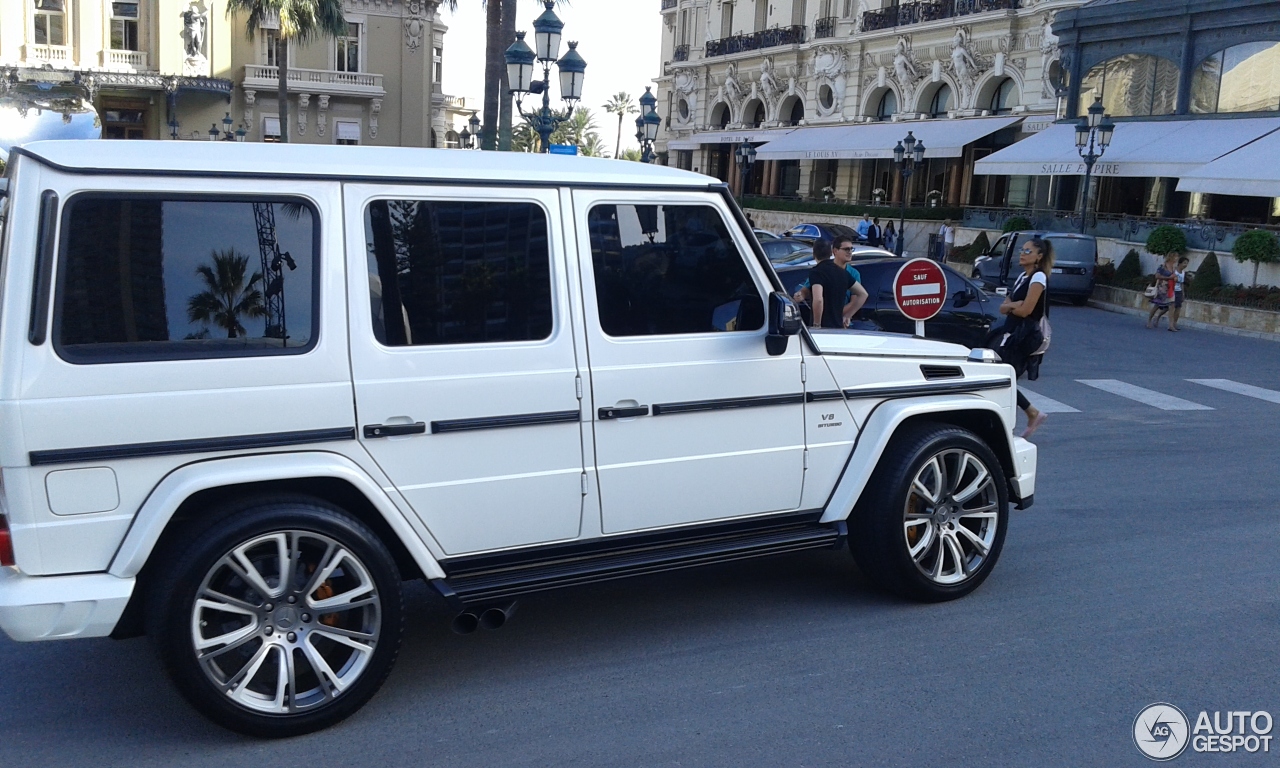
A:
(824, 27)
(681, 53)
(316, 80)
(768, 38)
(54, 54)
(930, 10)
(668, 4)
(125, 59)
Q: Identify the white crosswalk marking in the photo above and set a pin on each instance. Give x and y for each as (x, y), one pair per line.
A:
(1046, 404)
(1248, 390)
(1145, 396)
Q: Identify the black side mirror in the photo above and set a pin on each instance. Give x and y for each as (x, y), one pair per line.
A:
(962, 298)
(784, 322)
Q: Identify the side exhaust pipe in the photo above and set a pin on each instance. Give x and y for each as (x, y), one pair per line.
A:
(488, 617)
(465, 623)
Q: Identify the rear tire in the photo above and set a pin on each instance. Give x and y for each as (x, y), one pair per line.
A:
(277, 617)
(932, 522)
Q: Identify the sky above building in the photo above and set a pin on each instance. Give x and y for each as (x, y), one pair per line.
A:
(620, 40)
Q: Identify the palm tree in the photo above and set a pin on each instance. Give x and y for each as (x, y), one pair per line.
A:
(227, 296)
(621, 106)
(300, 21)
(577, 129)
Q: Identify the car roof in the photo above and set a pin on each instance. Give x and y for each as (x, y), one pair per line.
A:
(219, 158)
(1055, 235)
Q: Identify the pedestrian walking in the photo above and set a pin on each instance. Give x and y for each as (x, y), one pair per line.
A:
(863, 227)
(946, 240)
(874, 236)
(1162, 299)
(890, 237)
(1020, 337)
(1179, 285)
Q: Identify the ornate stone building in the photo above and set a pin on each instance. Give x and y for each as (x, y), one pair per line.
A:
(825, 88)
(174, 68)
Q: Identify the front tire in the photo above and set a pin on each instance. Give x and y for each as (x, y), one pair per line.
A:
(932, 522)
(278, 617)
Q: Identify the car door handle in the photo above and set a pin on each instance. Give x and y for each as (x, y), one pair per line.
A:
(623, 412)
(394, 430)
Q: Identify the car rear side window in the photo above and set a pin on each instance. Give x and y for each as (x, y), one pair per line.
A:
(458, 272)
(147, 277)
(668, 269)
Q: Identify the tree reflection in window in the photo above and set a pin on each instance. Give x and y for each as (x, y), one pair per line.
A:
(1132, 84)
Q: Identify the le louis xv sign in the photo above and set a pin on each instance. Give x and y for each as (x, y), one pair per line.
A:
(1078, 169)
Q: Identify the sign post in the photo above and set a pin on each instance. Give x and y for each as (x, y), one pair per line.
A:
(920, 290)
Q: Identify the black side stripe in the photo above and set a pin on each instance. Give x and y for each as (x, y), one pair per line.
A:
(694, 406)
(928, 388)
(815, 397)
(202, 445)
(500, 422)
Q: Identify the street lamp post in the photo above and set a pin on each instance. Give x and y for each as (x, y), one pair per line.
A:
(746, 156)
(1093, 136)
(471, 138)
(521, 58)
(647, 125)
(906, 155)
(226, 134)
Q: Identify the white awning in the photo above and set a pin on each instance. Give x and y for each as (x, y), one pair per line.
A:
(870, 141)
(1152, 148)
(1252, 170)
(753, 135)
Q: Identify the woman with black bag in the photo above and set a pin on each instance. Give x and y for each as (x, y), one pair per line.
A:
(1020, 338)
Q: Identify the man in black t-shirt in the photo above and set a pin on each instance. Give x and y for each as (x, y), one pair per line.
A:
(829, 283)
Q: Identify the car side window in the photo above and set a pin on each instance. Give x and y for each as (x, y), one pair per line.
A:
(458, 272)
(154, 277)
(1000, 246)
(669, 269)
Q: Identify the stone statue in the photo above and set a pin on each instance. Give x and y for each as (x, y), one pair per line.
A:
(733, 91)
(903, 68)
(769, 87)
(194, 23)
(961, 60)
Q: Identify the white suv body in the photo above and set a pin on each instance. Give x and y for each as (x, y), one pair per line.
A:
(498, 372)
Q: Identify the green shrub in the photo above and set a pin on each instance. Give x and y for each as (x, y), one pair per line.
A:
(1018, 224)
(1258, 246)
(1105, 273)
(1207, 279)
(1129, 269)
(1166, 239)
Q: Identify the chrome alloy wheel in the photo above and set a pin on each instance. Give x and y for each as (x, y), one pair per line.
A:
(286, 622)
(951, 516)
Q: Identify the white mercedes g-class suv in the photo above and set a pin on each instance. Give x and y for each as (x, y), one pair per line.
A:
(246, 390)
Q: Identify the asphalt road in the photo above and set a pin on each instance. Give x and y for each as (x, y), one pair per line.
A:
(1145, 572)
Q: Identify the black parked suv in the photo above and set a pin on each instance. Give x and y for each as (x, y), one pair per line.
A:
(1075, 258)
(968, 315)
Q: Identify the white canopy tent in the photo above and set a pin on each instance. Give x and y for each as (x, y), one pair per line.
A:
(1153, 148)
(1253, 170)
(870, 141)
(753, 135)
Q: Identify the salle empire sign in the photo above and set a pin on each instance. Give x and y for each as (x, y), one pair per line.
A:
(1078, 169)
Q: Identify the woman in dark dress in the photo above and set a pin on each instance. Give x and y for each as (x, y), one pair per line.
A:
(1020, 335)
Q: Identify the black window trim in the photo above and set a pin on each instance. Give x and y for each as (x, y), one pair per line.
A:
(752, 249)
(552, 272)
(59, 287)
(46, 240)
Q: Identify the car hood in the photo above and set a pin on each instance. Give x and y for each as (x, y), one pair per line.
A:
(835, 342)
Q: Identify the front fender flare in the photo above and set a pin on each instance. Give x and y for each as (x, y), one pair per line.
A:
(179, 485)
(879, 430)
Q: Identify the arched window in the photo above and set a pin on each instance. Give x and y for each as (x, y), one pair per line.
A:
(451, 140)
(755, 117)
(1132, 84)
(1005, 97)
(888, 106)
(720, 115)
(1243, 78)
(797, 112)
(941, 101)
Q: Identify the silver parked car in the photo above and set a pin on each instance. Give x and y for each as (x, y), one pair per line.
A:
(1075, 259)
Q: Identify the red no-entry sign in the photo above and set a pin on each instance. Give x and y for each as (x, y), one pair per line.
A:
(920, 290)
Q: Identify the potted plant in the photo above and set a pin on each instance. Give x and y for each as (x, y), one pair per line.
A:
(877, 195)
(934, 198)
(828, 193)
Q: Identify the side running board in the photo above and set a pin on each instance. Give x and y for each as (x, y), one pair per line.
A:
(485, 580)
